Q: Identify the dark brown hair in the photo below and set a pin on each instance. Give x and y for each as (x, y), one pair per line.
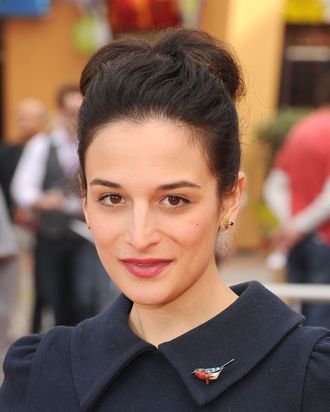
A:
(186, 76)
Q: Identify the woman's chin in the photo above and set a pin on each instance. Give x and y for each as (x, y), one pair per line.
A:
(149, 296)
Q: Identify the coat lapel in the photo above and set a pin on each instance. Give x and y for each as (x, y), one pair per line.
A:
(101, 348)
(246, 331)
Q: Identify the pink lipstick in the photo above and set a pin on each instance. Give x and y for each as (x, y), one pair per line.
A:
(145, 268)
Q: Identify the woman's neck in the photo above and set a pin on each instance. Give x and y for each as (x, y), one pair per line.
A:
(201, 302)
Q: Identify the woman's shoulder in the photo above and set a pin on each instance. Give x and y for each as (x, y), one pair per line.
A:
(17, 367)
(20, 357)
(49, 347)
(50, 367)
(22, 352)
(316, 396)
(28, 357)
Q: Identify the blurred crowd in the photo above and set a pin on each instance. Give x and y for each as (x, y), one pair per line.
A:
(41, 216)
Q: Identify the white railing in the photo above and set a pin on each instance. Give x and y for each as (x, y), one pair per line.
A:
(295, 294)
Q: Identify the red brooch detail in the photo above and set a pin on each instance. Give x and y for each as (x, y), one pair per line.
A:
(210, 374)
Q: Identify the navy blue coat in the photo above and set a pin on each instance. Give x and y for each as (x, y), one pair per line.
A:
(101, 365)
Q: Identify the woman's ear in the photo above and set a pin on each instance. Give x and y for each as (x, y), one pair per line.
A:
(85, 209)
(83, 195)
(231, 201)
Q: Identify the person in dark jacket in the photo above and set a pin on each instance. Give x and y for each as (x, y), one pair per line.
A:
(161, 185)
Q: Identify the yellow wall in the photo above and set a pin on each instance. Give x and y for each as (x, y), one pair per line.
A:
(38, 59)
(255, 30)
(215, 17)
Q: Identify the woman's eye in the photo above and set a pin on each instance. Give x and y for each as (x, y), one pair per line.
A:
(111, 199)
(175, 201)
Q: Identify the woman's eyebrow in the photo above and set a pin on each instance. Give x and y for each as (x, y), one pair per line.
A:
(178, 185)
(166, 186)
(103, 182)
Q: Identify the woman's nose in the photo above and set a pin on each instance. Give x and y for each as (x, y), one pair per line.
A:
(143, 231)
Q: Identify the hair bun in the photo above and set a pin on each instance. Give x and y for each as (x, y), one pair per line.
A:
(110, 52)
(205, 51)
(186, 44)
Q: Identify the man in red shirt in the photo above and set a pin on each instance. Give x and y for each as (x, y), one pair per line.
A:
(298, 191)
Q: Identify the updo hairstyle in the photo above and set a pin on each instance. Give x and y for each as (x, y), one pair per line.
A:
(186, 76)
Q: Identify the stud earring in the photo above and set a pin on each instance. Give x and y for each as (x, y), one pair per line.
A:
(88, 226)
(227, 224)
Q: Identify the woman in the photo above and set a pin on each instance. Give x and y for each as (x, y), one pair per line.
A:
(160, 156)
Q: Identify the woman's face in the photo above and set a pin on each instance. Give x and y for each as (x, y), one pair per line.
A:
(153, 209)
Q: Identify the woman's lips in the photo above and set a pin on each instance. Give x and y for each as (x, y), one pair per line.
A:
(145, 268)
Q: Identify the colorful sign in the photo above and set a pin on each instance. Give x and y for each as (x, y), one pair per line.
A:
(23, 8)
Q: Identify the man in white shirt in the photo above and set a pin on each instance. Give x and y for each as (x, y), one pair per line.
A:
(69, 276)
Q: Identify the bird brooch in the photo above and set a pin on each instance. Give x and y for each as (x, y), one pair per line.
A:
(210, 374)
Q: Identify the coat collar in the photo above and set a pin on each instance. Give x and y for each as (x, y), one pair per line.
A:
(246, 331)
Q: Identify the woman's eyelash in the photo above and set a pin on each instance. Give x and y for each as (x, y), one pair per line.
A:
(169, 201)
(113, 199)
(176, 201)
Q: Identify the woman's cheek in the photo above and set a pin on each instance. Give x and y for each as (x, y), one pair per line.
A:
(191, 232)
(103, 232)
(202, 231)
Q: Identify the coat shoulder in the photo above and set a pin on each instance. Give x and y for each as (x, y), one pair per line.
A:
(316, 395)
(17, 367)
(30, 359)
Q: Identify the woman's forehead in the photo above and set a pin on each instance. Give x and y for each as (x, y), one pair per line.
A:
(149, 143)
(149, 154)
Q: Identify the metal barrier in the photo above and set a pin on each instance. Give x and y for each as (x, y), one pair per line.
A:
(297, 293)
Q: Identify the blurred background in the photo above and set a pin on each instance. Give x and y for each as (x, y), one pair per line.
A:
(283, 47)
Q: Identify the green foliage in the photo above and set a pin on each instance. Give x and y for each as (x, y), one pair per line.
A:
(266, 218)
(274, 130)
